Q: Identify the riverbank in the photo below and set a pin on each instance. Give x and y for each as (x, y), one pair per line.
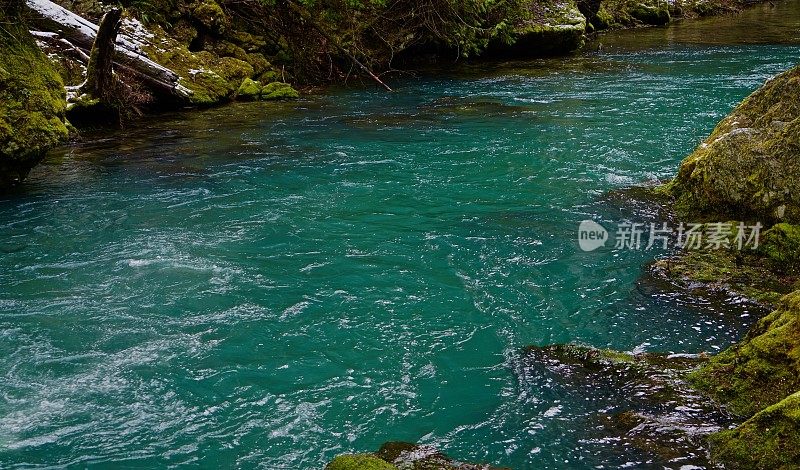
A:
(744, 171)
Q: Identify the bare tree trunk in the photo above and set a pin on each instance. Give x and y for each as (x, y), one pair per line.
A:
(99, 73)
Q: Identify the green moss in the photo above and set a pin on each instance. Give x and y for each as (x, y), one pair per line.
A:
(603, 19)
(551, 27)
(32, 102)
(727, 270)
(249, 89)
(212, 79)
(228, 49)
(279, 91)
(359, 462)
(210, 14)
(762, 369)
(183, 31)
(781, 243)
(768, 440)
(259, 63)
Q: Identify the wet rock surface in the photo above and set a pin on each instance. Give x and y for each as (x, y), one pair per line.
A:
(638, 405)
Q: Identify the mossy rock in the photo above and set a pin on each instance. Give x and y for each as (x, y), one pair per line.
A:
(212, 79)
(710, 8)
(745, 272)
(359, 462)
(32, 101)
(279, 91)
(183, 31)
(249, 90)
(249, 42)
(227, 49)
(781, 244)
(762, 369)
(603, 19)
(253, 90)
(768, 440)
(748, 167)
(209, 14)
(553, 27)
(259, 63)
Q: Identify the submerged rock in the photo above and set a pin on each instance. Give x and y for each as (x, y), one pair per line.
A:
(32, 101)
(398, 455)
(748, 167)
(640, 402)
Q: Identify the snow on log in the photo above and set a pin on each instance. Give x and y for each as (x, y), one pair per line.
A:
(128, 51)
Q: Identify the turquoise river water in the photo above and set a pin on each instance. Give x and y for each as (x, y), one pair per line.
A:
(274, 284)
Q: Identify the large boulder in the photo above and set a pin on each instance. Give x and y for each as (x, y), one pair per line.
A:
(749, 167)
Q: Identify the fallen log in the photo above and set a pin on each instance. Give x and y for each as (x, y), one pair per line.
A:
(129, 51)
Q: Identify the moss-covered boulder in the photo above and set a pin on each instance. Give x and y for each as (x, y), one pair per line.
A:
(32, 101)
(253, 90)
(655, 15)
(632, 13)
(762, 369)
(552, 27)
(278, 91)
(210, 15)
(211, 78)
(768, 440)
(249, 90)
(748, 167)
